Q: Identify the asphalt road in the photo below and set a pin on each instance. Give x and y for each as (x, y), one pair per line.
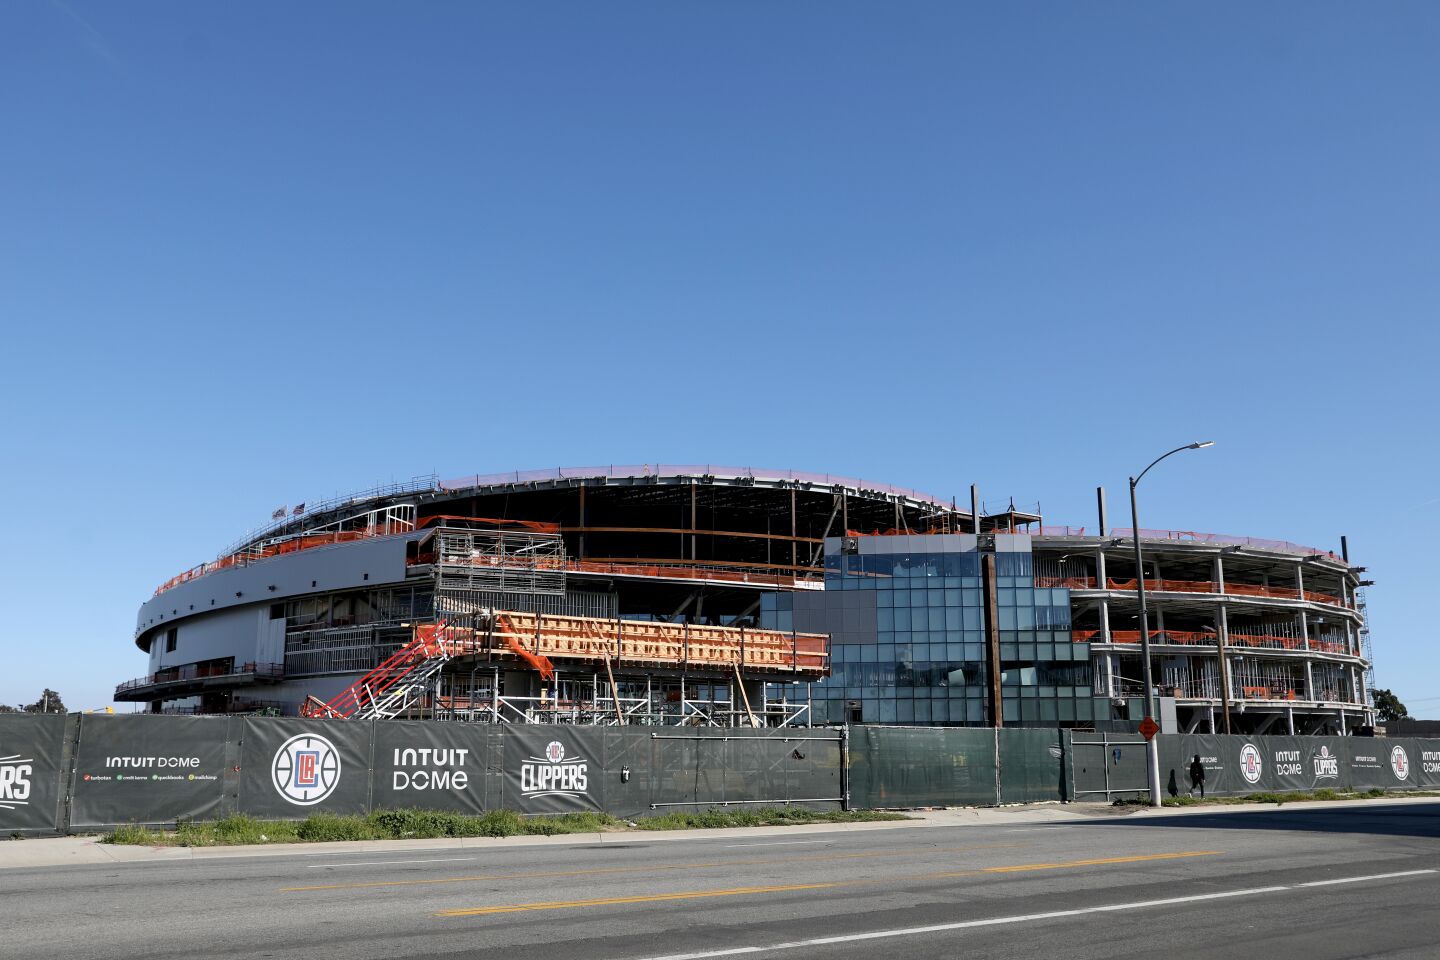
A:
(1344, 881)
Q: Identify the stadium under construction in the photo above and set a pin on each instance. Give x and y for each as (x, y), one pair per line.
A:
(726, 596)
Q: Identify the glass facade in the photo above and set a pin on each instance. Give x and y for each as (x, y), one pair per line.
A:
(907, 621)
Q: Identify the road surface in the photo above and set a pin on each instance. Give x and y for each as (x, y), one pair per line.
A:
(1346, 880)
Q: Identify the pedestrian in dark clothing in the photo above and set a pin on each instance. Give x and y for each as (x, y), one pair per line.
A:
(1197, 776)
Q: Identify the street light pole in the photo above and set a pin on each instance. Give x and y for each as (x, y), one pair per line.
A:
(1152, 751)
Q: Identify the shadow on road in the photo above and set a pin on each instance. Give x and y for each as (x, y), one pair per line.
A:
(1399, 820)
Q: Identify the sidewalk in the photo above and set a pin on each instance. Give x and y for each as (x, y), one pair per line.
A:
(64, 851)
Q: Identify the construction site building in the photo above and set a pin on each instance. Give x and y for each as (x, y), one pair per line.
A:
(732, 596)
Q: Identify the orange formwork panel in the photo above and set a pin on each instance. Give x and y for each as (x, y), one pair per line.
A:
(668, 645)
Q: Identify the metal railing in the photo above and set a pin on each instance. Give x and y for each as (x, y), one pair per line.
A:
(191, 672)
(1191, 536)
(1193, 586)
(1210, 639)
(383, 522)
(697, 470)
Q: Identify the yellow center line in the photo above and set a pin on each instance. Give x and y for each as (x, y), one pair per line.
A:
(655, 868)
(649, 898)
(1091, 863)
(750, 891)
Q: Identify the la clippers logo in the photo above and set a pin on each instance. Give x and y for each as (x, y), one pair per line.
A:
(306, 769)
(1251, 765)
(15, 773)
(1327, 765)
(554, 775)
(1400, 763)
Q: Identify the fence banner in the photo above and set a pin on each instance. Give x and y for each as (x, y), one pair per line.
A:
(1385, 764)
(1380, 764)
(1230, 768)
(553, 769)
(147, 769)
(292, 768)
(30, 772)
(435, 766)
(1426, 759)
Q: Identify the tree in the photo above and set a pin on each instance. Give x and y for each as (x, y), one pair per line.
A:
(49, 702)
(6, 708)
(1388, 707)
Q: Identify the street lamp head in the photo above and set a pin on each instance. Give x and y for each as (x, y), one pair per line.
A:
(1202, 444)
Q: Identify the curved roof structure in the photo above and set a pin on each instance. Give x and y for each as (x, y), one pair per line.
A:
(659, 472)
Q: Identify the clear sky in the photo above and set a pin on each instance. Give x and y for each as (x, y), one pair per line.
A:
(254, 254)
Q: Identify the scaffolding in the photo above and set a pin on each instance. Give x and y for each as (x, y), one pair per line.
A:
(498, 561)
(1365, 651)
(600, 699)
(704, 672)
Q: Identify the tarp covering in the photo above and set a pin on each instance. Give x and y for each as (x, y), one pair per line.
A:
(158, 769)
(30, 772)
(695, 769)
(147, 769)
(921, 767)
(1031, 765)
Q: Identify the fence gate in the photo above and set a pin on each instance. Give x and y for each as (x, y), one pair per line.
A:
(1106, 766)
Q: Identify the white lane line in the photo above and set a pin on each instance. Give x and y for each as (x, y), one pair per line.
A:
(385, 863)
(775, 843)
(1373, 876)
(1022, 918)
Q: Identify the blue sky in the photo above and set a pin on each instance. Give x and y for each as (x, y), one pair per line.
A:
(253, 254)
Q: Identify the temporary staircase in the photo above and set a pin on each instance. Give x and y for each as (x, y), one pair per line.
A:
(385, 692)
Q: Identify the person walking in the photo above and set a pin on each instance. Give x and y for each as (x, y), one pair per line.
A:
(1197, 776)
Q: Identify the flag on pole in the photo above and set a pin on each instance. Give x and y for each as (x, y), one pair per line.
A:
(279, 514)
(299, 509)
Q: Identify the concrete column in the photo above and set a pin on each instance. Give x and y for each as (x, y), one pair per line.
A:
(1300, 580)
(1219, 575)
(1210, 715)
(1107, 673)
(1222, 629)
(1290, 719)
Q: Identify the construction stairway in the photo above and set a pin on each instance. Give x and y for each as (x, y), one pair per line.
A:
(385, 692)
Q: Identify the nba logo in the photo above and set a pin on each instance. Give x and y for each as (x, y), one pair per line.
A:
(1400, 763)
(1250, 764)
(306, 768)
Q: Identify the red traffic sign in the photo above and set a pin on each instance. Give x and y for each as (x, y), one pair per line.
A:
(1148, 728)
